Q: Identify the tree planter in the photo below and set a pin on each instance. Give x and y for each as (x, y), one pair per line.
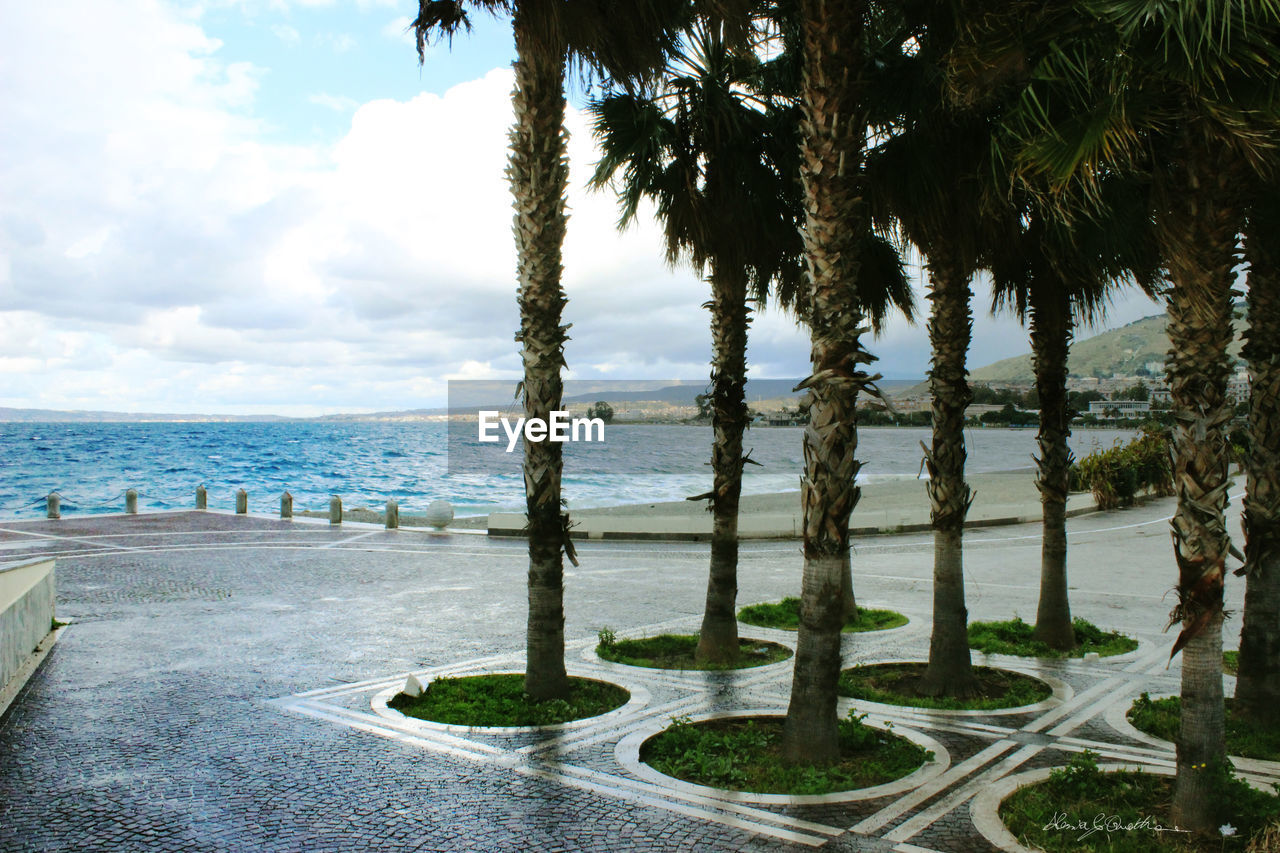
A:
(629, 700)
(629, 749)
(892, 680)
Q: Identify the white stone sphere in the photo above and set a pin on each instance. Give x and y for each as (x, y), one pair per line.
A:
(439, 514)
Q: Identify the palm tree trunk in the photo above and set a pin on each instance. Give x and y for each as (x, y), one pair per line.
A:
(538, 171)
(718, 639)
(833, 132)
(1258, 678)
(1197, 231)
(949, 672)
(1051, 329)
(849, 604)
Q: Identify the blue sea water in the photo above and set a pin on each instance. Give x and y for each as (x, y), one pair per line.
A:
(90, 465)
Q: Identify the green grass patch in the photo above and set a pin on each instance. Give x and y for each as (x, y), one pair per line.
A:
(1014, 638)
(785, 616)
(1230, 662)
(895, 684)
(676, 651)
(745, 754)
(500, 700)
(1162, 717)
(1126, 806)
(54, 624)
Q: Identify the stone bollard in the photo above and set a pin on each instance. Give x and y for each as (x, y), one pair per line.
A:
(202, 498)
(54, 505)
(131, 501)
(393, 514)
(286, 505)
(242, 502)
(335, 510)
(439, 514)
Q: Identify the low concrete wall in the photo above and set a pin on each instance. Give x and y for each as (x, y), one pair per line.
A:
(26, 613)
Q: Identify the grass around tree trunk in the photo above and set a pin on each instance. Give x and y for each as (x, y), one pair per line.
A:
(745, 754)
(1079, 808)
(676, 651)
(1014, 638)
(1230, 662)
(785, 616)
(500, 700)
(1162, 717)
(895, 684)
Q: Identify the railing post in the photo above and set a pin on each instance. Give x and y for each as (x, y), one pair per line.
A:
(53, 504)
(335, 510)
(242, 502)
(131, 501)
(286, 505)
(202, 497)
(393, 514)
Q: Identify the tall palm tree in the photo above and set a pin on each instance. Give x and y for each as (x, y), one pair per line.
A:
(624, 40)
(834, 107)
(1186, 94)
(932, 179)
(1058, 273)
(1258, 678)
(716, 155)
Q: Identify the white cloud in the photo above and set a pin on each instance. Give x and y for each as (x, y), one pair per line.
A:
(158, 253)
(286, 34)
(337, 103)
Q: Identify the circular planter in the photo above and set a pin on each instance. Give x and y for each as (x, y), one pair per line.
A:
(1117, 716)
(1061, 693)
(628, 754)
(639, 698)
(985, 808)
(589, 654)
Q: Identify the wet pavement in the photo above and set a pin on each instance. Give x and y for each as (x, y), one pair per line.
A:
(221, 687)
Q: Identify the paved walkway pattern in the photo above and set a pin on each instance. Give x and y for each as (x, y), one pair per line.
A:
(222, 686)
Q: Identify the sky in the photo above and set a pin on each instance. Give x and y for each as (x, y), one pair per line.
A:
(268, 207)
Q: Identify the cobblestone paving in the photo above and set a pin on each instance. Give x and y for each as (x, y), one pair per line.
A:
(218, 689)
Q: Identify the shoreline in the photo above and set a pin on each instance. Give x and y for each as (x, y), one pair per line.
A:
(886, 506)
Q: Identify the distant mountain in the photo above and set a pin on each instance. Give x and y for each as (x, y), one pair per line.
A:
(83, 417)
(1117, 352)
(679, 394)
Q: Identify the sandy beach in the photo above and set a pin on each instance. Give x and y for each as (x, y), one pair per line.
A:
(890, 505)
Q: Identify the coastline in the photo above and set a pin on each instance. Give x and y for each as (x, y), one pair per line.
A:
(890, 505)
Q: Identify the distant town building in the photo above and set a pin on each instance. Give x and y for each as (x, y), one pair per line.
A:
(1112, 409)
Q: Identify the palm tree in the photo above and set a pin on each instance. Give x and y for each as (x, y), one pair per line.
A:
(932, 181)
(623, 40)
(1186, 95)
(1258, 677)
(716, 156)
(1059, 273)
(833, 129)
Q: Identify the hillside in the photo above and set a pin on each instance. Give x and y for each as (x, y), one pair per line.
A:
(1117, 352)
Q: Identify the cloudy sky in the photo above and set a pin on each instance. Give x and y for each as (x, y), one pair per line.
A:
(266, 206)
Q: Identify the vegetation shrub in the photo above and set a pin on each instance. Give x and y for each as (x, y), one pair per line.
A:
(1082, 808)
(1117, 474)
(500, 700)
(895, 684)
(745, 754)
(678, 651)
(785, 616)
(1162, 718)
(1014, 638)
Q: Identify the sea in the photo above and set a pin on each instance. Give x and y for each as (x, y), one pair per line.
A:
(90, 465)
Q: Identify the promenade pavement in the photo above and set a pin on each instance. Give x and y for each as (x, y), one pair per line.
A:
(219, 687)
(890, 505)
